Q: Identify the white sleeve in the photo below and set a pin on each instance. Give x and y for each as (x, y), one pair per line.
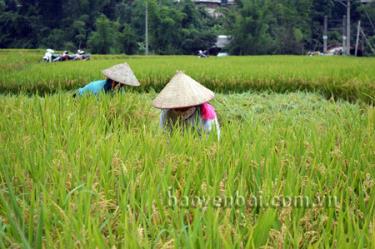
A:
(217, 128)
(163, 117)
(208, 125)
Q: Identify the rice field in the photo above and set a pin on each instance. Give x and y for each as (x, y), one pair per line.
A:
(334, 77)
(293, 169)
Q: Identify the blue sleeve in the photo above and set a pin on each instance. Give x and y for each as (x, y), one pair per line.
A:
(94, 87)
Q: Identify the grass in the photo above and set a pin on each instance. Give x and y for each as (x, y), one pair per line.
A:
(334, 77)
(98, 173)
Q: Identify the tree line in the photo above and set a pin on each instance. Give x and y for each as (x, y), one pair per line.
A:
(174, 27)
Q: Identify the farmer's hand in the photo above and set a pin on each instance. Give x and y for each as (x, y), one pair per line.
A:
(117, 87)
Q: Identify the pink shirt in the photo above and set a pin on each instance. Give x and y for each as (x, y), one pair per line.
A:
(207, 112)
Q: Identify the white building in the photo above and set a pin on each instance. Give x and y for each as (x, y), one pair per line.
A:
(222, 41)
(212, 5)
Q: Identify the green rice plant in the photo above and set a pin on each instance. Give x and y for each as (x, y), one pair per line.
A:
(97, 172)
(346, 78)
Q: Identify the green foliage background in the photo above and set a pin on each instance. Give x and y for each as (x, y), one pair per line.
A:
(176, 27)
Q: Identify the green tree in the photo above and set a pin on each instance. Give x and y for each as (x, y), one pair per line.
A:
(256, 26)
(16, 31)
(103, 40)
(55, 39)
(128, 41)
(79, 33)
(2, 6)
(52, 12)
(167, 21)
(250, 31)
(290, 26)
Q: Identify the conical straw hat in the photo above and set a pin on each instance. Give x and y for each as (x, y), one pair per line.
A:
(121, 73)
(182, 91)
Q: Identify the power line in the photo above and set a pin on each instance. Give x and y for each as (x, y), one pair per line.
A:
(372, 24)
(367, 41)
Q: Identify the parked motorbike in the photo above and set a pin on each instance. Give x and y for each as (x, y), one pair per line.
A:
(203, 54)
(51, 56)
(81, 55)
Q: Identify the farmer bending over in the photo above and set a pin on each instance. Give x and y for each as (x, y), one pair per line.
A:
(184, 102)
(117, 76)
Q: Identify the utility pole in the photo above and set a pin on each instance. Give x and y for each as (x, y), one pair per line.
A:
(348, 26)
(347, 6)
(357, 40)
(325, 36)
(146, 28)
(344, 34)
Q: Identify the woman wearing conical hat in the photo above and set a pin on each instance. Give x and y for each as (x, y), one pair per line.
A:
(184, 101)
(117, 76)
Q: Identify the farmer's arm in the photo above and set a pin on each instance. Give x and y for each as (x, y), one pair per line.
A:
(94, 87)
(218, 132)
(163, 119)
(208, 125)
